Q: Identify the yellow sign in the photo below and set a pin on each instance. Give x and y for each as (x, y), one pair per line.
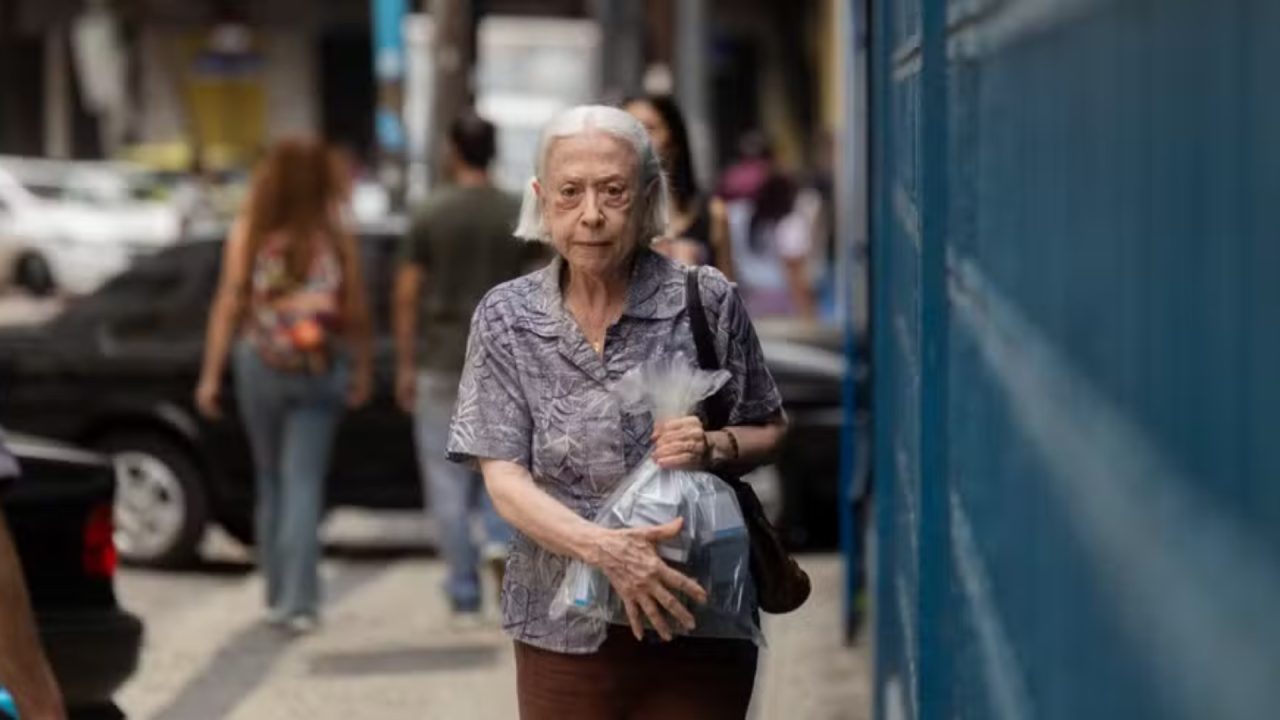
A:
(225, 94)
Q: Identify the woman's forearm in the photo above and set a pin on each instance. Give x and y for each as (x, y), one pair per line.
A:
(218, 338)
(756, 445)
(797, 272)
(538, 515)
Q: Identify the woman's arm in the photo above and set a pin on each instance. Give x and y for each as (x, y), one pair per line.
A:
(627, 557)
(743, 448)
(536, 514)
(795, 246)
(224, 316)
(356, 320)
(796, 271)
(684, 444)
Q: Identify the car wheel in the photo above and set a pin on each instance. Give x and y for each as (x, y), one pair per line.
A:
(161, 505)
(33, 274)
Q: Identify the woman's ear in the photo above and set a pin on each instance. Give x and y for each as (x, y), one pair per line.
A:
(656, 213)
(540, 198)
(531, 225)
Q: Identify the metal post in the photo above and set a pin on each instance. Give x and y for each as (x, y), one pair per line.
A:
(57, 94)
(389, 65)
(851, 237)
(935, 482)
(452, 52)
(622, 48)
(692, 80)
(888, 637)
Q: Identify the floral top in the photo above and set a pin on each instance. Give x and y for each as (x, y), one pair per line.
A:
(533, 392)
(291, 322)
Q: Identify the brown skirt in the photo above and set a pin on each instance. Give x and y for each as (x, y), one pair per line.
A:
(689, 678)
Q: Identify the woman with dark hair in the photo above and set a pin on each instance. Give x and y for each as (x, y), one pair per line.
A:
(291, 313)
(697, 233)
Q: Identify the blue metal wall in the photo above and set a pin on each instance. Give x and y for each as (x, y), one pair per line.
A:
(1076, 245)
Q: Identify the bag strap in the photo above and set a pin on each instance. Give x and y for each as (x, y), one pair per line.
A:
(703, 340)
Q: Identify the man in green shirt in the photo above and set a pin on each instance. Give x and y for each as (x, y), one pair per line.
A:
(459, 246)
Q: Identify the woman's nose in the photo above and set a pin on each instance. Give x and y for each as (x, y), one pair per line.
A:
(592, 215)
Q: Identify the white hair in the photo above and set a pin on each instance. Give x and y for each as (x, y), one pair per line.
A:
(616, 123)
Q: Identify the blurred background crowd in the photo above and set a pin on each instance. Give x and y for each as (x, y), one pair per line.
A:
(130, 125)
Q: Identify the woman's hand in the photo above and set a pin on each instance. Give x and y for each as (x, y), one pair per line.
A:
(680, 444)
(207, 396)
(407, 389)
(645, 583)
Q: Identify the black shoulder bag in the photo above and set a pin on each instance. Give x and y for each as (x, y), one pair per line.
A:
(781, 585)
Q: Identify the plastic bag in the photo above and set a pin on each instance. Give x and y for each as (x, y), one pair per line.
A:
(713, 547)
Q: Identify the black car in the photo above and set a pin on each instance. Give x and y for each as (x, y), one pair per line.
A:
(60, 515)
(116, 371)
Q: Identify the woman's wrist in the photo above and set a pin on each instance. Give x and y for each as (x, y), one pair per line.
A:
(209, 376)
(588, 544)
(722, 449)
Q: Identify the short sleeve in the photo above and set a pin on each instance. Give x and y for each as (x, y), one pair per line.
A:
(753, 394)
(491, 420)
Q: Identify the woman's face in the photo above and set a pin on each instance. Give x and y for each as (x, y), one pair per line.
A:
(651, 119)
(589, 196)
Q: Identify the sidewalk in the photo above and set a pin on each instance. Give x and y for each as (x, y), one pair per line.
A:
(807, 673)
(387, 651)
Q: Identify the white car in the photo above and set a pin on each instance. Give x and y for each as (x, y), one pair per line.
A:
(68, 227)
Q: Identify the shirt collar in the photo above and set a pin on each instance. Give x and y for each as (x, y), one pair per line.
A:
(656, 290)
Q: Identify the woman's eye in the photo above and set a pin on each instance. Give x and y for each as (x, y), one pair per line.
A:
(568, 192)
(615, 192)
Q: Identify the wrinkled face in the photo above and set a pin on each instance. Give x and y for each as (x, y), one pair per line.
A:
(651, 119)
(589, 196)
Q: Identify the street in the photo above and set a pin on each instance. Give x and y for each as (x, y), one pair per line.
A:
(387, 648)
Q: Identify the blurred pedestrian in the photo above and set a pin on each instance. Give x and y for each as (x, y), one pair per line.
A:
(748, 172)
(693, 236)
(771, 235)
(24, 671)
(816, 202)
(535, 411)
(458, 247)
(291, 313)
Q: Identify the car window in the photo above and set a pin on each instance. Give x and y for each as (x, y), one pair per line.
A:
(164, 297)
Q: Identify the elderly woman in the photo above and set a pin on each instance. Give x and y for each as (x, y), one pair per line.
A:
(536, 413)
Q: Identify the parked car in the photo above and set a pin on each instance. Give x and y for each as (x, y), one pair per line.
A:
(116, 372)
(60, 515)
(68, 227)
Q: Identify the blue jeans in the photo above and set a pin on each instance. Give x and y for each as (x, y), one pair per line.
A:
(453, 492)
(291, 419)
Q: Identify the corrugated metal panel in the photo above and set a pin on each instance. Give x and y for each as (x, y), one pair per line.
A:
(1077, 331)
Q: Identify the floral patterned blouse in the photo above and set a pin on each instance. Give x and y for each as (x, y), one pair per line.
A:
(534, 392)
(285, 310)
